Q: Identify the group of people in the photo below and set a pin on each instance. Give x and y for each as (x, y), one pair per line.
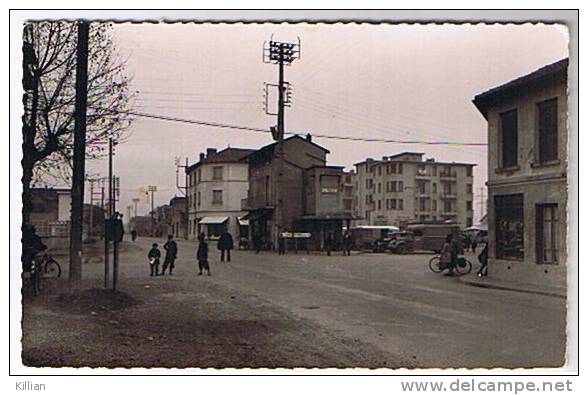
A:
(452, 249)
(225, 245)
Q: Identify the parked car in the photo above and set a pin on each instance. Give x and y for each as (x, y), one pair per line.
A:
(401, 243)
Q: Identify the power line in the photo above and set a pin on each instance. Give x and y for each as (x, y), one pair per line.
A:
(319, 135)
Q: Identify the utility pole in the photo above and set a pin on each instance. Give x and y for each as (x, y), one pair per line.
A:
(280, 53)
(135, 202)
(482, 201)
(152, 189)
(79, 155)
(91, 207)
(183, 189)
(108, 215)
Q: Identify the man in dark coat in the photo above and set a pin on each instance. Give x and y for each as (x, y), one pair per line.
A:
(153, 256)
(225, 243)
(202, 255)
(347, 243)
(171, 252)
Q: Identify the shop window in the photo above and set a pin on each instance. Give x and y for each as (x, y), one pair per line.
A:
(547, 233)
(329, 184)
(509, 138)
(547, 117)
(509, 223)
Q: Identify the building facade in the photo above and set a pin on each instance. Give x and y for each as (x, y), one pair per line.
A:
(291, 189)
(527, 174)
(179, 217)
(404, 188)
(216, 186)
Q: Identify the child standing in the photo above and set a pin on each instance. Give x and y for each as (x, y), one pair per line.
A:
(153, 256)
(202, 255)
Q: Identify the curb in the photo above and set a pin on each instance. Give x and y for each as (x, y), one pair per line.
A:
(507, 288)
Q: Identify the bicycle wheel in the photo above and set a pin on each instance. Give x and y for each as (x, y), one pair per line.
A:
(52, 268)
(463, 267)
(435, 265)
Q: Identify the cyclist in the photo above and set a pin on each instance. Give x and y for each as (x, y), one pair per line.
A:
(31, 246)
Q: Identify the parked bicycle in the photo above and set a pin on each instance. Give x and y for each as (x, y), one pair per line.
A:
(461, 266)
(43, 266)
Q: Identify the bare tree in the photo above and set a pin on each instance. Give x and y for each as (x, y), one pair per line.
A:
(49, 99)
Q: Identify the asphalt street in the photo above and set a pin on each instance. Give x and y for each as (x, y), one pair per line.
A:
(390, 304)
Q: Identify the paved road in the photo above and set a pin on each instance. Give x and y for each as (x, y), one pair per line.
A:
(393, 303)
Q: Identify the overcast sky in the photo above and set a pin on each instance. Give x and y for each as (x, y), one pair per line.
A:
(408, 82)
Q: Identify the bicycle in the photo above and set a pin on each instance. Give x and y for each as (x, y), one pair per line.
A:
(43, 266)
(462, 267)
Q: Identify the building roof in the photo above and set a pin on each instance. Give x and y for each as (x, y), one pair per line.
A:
(423, 162)
(177, 199)
(270, 147)
(228, 155)
(547, 75)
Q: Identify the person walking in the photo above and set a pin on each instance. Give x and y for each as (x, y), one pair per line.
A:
(328, 243)
(347, 242)
(153, 256)
(202, 255)
(133, 235)
(474, 244)
(171, 252)
(281, 244)
(225, 244)
(483, 258)
(256, 242)
(446, 254)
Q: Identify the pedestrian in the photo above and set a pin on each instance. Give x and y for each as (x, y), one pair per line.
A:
(225, 245)
(171, 252)
(256, 242)
(153, 256)
(474, 244)
(347, 242)
(328, 243)
(456, 250)
(483, 258)
(202, 255)
(133, 234)
(281, 244)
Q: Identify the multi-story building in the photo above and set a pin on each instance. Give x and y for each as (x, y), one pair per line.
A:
(527, 165)
(216, 186)
(293, 190)
(179, 217)
(404, 187)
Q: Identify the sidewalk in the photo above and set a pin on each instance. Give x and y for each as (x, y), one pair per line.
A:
(516, 286)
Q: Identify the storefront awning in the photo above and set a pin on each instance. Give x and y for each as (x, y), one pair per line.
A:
(243, 221)
(213, 220)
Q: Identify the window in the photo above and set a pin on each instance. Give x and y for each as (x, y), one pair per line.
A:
(329, 184)
(469, 188)
(198, 199)
(547, 233)
(434, 187)
(469, 205)
(423, 204)
(469, 222)
(199, 175)
(447, 206)
(469, 171)
(434, 169)
(379, 204)
(400, 204)
(509, 138)
(400, 186)
(393, 204)
(509, 227)
(547, 116)
(217, 173)
(399, 168)
(217, 196)
(393, 185)
(379, 186)
(379, 170)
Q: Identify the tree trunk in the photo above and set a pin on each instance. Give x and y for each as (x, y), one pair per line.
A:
(29, 152)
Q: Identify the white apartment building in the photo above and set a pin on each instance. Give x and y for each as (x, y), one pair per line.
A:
(216, 185)
(404, 187)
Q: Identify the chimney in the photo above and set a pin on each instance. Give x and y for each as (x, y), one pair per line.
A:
(202, 156)
(309, 137)
(210, 152)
